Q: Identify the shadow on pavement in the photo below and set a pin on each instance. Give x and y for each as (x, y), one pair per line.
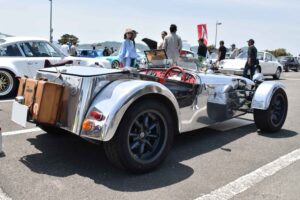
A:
(66, 155)
(281, 134)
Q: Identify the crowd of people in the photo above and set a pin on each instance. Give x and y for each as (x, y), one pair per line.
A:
(172, 44)
(252, 60)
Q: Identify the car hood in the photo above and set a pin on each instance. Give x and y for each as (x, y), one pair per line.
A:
(232, 64)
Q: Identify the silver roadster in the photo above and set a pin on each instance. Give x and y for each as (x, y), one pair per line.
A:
(136, 113)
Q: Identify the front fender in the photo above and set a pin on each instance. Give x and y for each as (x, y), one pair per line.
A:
(264, 93)
(114, 100)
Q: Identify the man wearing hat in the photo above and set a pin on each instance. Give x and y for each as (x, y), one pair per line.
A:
(251, 60)
(127, 51)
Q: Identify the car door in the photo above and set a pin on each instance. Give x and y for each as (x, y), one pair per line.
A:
(262, 62)
(13, 59)
(269, 65)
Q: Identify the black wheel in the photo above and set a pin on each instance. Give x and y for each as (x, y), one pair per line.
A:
(143, 139)
(272, 119)
(52, 129)
(277, 74)
(297, 69)
(8, 84)
(286, 68)
(115, 64)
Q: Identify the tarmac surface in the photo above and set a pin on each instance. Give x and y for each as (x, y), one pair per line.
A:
(229, 161)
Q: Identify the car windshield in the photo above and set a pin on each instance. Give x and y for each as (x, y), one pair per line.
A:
(283, 58)
(243, 55)
(158, 59)
(116, 53)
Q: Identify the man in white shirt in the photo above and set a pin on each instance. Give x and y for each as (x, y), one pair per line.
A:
(65, 49)
(234, 52)
(173, 44)
(163, 35)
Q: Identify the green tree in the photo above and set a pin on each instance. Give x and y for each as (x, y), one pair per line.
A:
(279, 52)
(68, 38)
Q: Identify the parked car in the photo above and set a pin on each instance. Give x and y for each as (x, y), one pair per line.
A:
(115, 63)
(289, 62)
(136, 113)
(24, 56)
(90, 53)
(268, 65)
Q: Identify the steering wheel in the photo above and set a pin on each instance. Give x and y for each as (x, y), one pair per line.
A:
(171, 69)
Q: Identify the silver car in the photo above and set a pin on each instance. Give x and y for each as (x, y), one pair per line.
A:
(137, 113)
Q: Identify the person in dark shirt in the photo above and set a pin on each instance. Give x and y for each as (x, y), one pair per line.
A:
(251, 60)
(202, 50)
(222, 51)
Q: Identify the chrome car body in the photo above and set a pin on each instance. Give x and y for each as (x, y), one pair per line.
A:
(137, 112)
(210, 99)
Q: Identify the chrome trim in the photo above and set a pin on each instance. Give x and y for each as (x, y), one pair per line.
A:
(117, 97)
(264, 93)
(20, 99)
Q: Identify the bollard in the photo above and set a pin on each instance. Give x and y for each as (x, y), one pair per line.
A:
(1, 150)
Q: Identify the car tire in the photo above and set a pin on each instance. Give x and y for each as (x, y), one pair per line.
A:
(8, 84)
(272, 119)
(297, 69)
(277, 74)
(115, 64)
(286, 69)
(52, 129)
(143, 139)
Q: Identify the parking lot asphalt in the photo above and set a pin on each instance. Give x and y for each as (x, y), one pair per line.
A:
(202, 163)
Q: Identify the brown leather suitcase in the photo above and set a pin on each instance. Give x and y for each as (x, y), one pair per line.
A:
(47, 102)
(29, 91)
(21, 88)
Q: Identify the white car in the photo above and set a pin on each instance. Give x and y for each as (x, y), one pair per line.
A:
(24, 56)
(268, 65)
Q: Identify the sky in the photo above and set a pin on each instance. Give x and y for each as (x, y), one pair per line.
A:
(271, 23)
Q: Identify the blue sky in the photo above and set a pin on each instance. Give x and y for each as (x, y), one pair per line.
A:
(271, 23)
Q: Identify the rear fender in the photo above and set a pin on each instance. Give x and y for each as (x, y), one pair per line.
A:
(264, 93)
(114, 100)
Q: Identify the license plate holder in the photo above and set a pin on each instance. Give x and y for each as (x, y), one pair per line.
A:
(19, 114)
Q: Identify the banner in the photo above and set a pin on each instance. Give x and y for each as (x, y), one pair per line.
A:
(202, 33)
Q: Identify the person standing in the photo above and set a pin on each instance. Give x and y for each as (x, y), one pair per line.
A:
(251, 59)
(133, 60)
(234, 52)
(202, 50)
(163, 35)
(127, 50)
(222, 51)
(173, 44)
(73, 49)
(105, 51)
(65, 49)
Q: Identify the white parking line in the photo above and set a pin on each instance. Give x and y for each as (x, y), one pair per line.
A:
(245, 182)
(3, 196)
(292, 79)
(6, 101)
(21, 132)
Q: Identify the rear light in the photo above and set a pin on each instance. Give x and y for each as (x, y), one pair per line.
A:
(88, 125)
(97, 115)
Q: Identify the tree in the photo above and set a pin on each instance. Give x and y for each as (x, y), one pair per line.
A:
(211, 48)
(68, 38)
(279, 52)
